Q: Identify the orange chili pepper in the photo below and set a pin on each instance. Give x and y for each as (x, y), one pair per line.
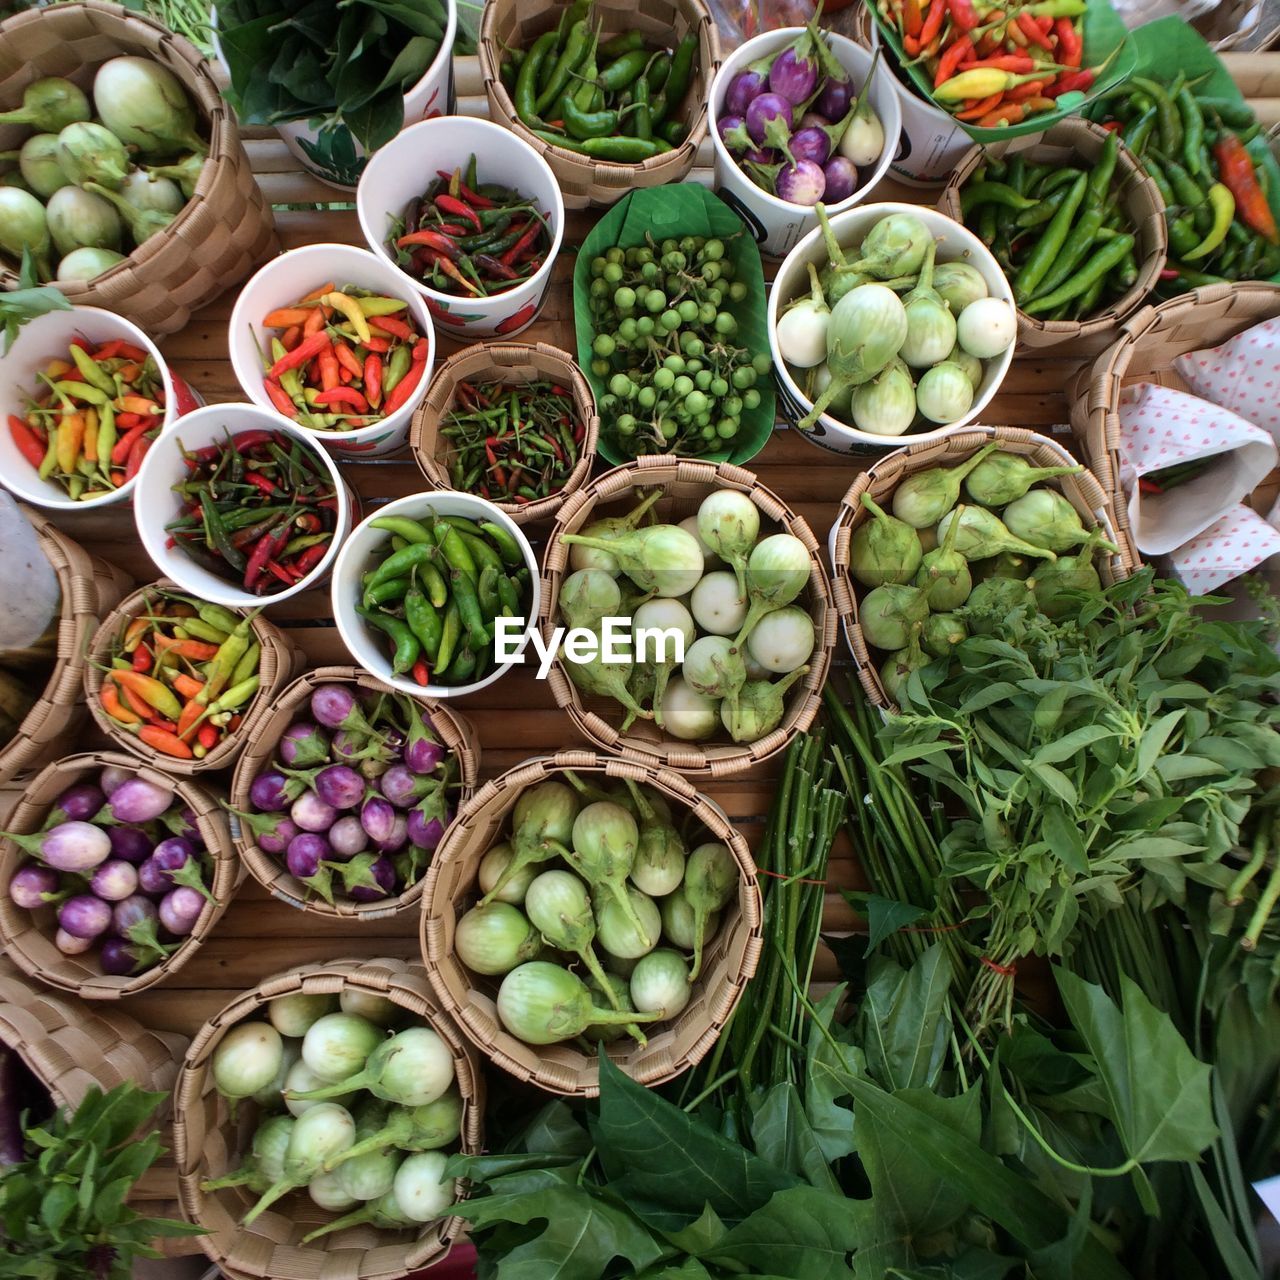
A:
(195, 650)
(980, 108)
(316, 294)
(152, 692)
(109, 696)
(189, 718)
(328, 361)
(133, 634)
(286, 317)
(164, 741)
(314, 322)
(136, 704)
(91, 434)
(187, 685)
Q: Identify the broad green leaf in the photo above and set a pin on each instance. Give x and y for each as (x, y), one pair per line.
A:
(902, 1019)
(884, 916)
(828, 1068)
(1056, 782)
(1154, 740)
(1071, 744)
(57, 1206)
(1158, 1091)
(781, 1134)
(582, 1237)
(653, 1150)
(698, 1238)
(1062, 834)
(555, 1130)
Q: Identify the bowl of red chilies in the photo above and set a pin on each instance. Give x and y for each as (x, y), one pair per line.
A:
(85, 394)
(470, 217)
(335, 340)
(240, 508)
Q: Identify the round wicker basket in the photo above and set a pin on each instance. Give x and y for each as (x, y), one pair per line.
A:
(280, 659)
(1144, 352)
(453, 729)
(729, 961)
(1232, 24)
(90, 588)
(686, 483)
(1083, 492)
(28, 936)
(221, 232)
(210, 1139)
(1074, 140)
(508, 24)
(506, 362)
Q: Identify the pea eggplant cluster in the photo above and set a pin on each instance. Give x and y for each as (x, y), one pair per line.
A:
(943, 566)
(616, 98)
(586, 868)
(438, 592)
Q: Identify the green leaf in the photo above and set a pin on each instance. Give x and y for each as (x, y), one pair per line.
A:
(884, 916)
(1062, 834)
(1071, 744)
(1056, 782)
(1157, 1090)
(58, 1205)
(903, 1020)
(651, 1149)
(781, 1134)
(1154, 740)
(1232, 1255)
(828, 1068)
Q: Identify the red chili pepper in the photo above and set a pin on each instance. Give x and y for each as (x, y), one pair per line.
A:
(327, 359)
(955, 54)
(431, 240)
(307, 349)
(1235, 167)
(390, 324)
(83, 343)
(1078, 81)
(373, 379)
(1019, 64)
(459, 208)
(136, 455)
(911, 18)
(1027, 24)
(487, 262)
(348, 359)
(1148, 486)
(120, 454)
(278, 570)
(529, 236)
(142, 659)
(342, 395)
(208, 736)
(1070, 46)
(421, 674)
(403, 389)
(1010, 113)
(1032, 89)
(266, 548)
(963, 16)
(280, 398)
(980, 108)
(1168, 273)
(259, 481)
(309, 557)
(26, 440)
(474, 198)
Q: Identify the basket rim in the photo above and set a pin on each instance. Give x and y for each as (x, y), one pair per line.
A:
(494, 357)
(436, 905)
(725, 758)
(267, 869)
(225, 875)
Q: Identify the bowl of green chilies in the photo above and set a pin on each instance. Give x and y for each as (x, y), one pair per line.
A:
(422, 587)
(1077, 226)
(241, 508)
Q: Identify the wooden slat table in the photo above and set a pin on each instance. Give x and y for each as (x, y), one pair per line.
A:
(516, 717)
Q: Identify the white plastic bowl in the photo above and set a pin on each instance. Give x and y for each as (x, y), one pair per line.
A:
(368, 547)
(403, 169)
(955, 243)
(779, 224)
(164, 466)
(48, 337)
(292, 276)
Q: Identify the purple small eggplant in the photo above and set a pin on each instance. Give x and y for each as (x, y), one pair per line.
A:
(139, 801)
(71, 945)
(115, 880)
(155, 875)
(267, 792)
(312, 813)
(385, 875)
(112, 779)
(767, 107)
(378, 818)
(422, 753)
(70, 846)
(396, 838)
(339, 786)
(760, 155)
(78, 803)
(84, 916)
(130, 843)
(130, 913)
(180, 909)
(347, 837)
(303, 744)
(842, 179)
(120, 958)
(743, 89)
(30, 884)
(403, 787)
(335, 707)
(801, 183)
(277, 839)
(305, 854)
(810, 143)
(425, 832)
(793, 76)
(834, 99)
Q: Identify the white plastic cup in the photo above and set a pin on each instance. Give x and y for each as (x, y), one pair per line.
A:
(955, 243)
(292, 276)
(778, 225)
(401, 172)
(164, 466)
(431, 96)
(48, 337)
(367, 547)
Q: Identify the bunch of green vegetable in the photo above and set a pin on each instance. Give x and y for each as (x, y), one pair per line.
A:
(1060, 230)
(62, 1203)
(350, 64)
(664, 319)
(634, 881)
(713, 583)
(617, 99)
(85, 189)
(886, 363)
(349, 1107)
(943, 566)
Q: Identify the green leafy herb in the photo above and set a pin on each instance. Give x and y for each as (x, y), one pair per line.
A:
(27, 301)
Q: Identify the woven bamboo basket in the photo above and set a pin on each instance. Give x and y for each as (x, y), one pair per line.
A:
(281, 658)
(211, 1138)
(729, 959)
(453, 729)
(1083, 491)
(1075, 139)
(222, 231)
(508, 24)
(90, 588)
(1144, 352)
(1231, 24)
(686, 484)
(28, 936)
(509, 362)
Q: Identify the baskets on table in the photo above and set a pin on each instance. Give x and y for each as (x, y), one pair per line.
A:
(210, 1139)
(90, 587)
(221, 232)
(1144, 209)
(279, 660)
(27, 936)
(453, 729)
(686, 483)
(508, 24)
(1083, 491)
(1144, 352)
(728, 962)
(509, 362)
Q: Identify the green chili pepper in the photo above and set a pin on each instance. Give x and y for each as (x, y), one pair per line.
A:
(1192, 128)
(641, 118)
(482, 551)
(247, 667)
(387, 592)
(402, 526)
(450, 630)
(424, 622)
(574, 48)
(1046, 208)
(627, 42)
(1107, 257)
(1189, 194)
(624, 70)
(1082, 235)
(678, 81)
(508, 547)
(218, 534)
(1139, 130)
(1046, 251)
(92, 372)
(462, 667)
(399, 564)
(1236, 115)
(509, 595)
(407, 645)
(978, 193)
(674, 132)
(624, 150)
(455, 550)
(1168, 120)
(527, 81)
(463, 586)
(587, 124)
(1223, 205)
(487, 590)
(587, 70)
(659, 70)
(433, 581)
(1125, 273)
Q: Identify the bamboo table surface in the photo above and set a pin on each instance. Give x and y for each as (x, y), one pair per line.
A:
(516, 717)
